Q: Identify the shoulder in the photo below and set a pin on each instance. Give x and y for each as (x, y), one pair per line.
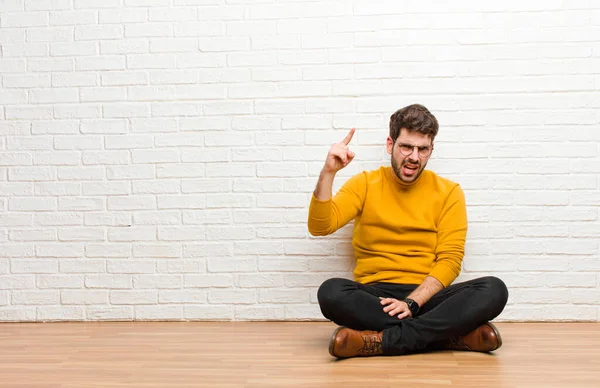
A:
(369, 176)
(443, 185)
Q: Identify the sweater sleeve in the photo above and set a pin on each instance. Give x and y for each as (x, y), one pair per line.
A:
(326, 217)
(452, 234)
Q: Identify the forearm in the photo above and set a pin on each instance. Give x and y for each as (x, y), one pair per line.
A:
(426, 290)
(324, 189)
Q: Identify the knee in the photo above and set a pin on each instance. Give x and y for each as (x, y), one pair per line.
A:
(496, 290)
(329, 292)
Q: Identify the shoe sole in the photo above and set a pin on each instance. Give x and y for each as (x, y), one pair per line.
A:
(332, 342)
(495, 329)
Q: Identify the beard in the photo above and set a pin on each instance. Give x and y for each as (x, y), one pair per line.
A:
(406, 177)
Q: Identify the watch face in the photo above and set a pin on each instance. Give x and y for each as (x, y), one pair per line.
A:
(412, 305)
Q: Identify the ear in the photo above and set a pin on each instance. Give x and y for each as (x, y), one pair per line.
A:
(389, 144)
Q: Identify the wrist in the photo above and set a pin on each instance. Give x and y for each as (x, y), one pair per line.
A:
(327, 174)
(413, 306)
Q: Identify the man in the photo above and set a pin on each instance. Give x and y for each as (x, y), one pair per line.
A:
(409, 235)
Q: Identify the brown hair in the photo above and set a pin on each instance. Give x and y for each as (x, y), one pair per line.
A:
(414, 118)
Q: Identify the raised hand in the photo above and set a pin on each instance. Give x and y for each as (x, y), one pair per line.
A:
(339, 155)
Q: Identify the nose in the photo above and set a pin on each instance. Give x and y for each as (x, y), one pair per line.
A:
(414, 155)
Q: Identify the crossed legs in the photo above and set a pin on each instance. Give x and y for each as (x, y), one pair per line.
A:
(456, 310)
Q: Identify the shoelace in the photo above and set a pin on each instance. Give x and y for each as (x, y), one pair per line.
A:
(457, 343)
(372, 344)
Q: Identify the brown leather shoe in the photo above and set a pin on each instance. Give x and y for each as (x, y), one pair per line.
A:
(346, 343)
(485, 338)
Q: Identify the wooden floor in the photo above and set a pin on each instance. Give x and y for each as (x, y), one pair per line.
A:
(280, 354)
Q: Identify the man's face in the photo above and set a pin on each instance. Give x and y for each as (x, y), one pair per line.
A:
(408, 163)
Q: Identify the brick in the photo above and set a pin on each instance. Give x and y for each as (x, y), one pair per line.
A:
(181, 233)
(80, 173)
(283, 295)
(207, 155)
(155, 156)
(98, 32)
(50, 34)
(25, 50)
(105, 157)
(206, 313)
(151, 61)
(198, 29)
(70, 79)
(181, 266)
(23, 19)
(130, 234)
(131, 266)
(108, 250)
(68, 18)
(124, 46)
(120, 313)
(157, 281)
(8, 36)
(257, 247)
(115, 16)
(81, 266)
(45, 266)
(176, 14)
(15, 158)
(84, 297)
(32, 173)
(182, 296)
(159, 313)
(233, 296)
(260, 280)
(167, 45)
(59, 281)
(163, 217)
(116, 78)
(81, 234)
(18, 314)
(22, 297)
(130, 172)
(110, 281)
(133, 297)
(108, 219)
(55, 219)
(259, 313)
(176, 109)
(131, 202)
(103, 94)
(164, 186)
(206, 216)
(79, 111)
(181, 170)
(156, 250)
(80, 203)
(17, 189)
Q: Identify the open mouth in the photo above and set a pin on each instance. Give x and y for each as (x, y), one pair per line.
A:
(410, 169)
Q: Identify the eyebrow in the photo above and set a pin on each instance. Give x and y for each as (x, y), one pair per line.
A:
(414, 145)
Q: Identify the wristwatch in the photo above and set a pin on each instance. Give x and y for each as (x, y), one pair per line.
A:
(413, 306)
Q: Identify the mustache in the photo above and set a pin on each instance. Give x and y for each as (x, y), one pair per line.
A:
(404, 162)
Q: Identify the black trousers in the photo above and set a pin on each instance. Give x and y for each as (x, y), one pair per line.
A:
(455, 310)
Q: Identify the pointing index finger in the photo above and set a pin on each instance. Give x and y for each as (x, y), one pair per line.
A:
(349, 136)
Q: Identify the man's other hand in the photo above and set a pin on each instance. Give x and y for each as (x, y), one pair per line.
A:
(339, 155)
(395, 307)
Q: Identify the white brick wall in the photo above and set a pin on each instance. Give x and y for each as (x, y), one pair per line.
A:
(157, 157)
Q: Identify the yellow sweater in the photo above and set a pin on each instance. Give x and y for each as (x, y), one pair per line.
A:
(402, 232)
